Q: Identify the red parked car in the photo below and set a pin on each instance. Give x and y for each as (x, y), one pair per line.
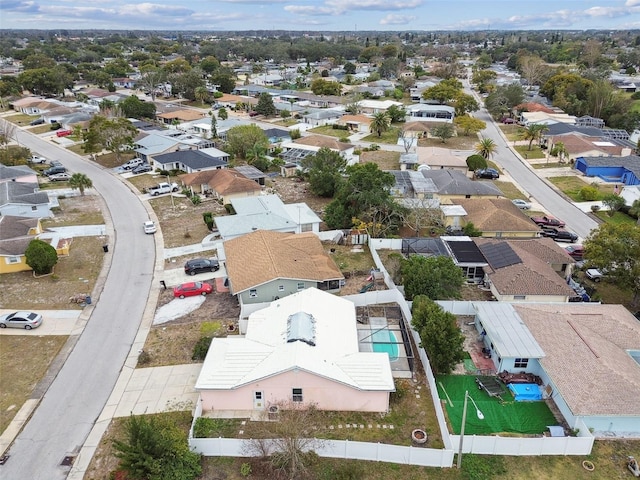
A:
(191, 289)
(63, 133)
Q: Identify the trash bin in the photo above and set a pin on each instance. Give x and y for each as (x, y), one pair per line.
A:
(87, 300)
(105, 248)
(163, 284)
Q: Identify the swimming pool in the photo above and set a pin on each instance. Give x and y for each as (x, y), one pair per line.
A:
(385, 341)
(525, 392)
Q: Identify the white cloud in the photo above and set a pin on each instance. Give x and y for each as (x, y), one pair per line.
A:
(383, 5)
(303, 10)
(392, 19)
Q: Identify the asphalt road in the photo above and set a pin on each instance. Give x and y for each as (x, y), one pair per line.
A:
(75, 399)
(576, 220)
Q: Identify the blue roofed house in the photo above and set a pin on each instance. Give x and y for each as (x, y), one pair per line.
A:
(587, 356)
(158, 142)
(24, 200)
(625, 170)
(266, 212)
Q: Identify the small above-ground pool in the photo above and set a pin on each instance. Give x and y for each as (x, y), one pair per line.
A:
(384, 340)
(525, 392)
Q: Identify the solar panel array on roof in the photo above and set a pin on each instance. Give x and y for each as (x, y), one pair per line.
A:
(499, 254)
(301, 327)
(466, 252)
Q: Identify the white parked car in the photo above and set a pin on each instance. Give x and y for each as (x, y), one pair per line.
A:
(594, 274)
(38, 159)
(134, 162)
(60, 177)
(518, 202)
(149, 227)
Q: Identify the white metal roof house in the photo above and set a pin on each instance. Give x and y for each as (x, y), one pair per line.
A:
(587, 356)
(431, 113)
(302, 348)
(267, 212)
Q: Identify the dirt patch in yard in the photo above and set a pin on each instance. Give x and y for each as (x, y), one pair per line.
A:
(294, 190)
(172, 343)
(384, 159)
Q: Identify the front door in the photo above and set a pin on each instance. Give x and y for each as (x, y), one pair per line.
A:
(258, 402)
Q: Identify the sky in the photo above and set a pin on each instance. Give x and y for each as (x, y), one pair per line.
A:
(320, 15)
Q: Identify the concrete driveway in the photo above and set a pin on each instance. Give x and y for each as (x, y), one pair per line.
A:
(54, 322)
(176, 276)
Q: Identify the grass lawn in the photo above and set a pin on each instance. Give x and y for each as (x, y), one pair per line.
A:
(508, 189)
(635, 106)
(507, 416)
(384, 159)
(571, 186)
(389, 137)
(348, 261)
(454, 143)
(24, 359)
(535, 152)
(539, 166)
(617, 218)
(512, 132)
(329, 130)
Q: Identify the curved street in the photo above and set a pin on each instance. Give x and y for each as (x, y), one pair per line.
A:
(76, 397)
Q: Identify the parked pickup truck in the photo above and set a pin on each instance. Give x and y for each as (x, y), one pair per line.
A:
(163, 187)
(548, 222)
(37, 159)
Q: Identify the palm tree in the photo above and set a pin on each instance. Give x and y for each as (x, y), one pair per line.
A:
(486, 148)
(201, 94)
(534, 132)
(560, 151)
(79, 181)
(380, 123)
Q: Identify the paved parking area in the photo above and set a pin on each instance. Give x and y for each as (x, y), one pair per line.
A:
(176, 276)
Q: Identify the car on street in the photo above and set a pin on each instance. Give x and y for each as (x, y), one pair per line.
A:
(200, 265)
(491, 173)
(559, 235)
(522, 204)
(149, 227)
(21, 319)
(192, 289)
(575, 251)
(547, 221)
(60, 177)
(143, 168)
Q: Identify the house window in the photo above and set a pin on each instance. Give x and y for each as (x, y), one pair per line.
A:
(306, 227)
(253, 293)
(300, 285)
(519, 297)
(520, 363)
(34, 208)
(281, 288)
(297, 395)
(11, 260)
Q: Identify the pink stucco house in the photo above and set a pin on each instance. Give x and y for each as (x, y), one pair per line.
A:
(302, 348)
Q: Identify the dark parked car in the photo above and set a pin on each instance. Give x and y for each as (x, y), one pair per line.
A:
(199, 265)
(559, 235)
(54, 170)
(144, 168)
(491, 173)
(37, 121)
(547, 221)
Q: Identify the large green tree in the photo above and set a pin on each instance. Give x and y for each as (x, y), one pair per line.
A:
(365, 196)
(324, 171)
(156, 449)
(439, 334)
(437, 277)
(133, 107)
(41, 256)
(115, 135)
(533, 133)
(616, 249)
(265, 105)
(244, 137)
(469, 124)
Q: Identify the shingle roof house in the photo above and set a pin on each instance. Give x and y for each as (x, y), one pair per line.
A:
(303, 348)
(192, 160)
(23, 199)
(497, 217)
(591, 363)
(264, 265)
(453, 184)
(532, 270)
(225, 184)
